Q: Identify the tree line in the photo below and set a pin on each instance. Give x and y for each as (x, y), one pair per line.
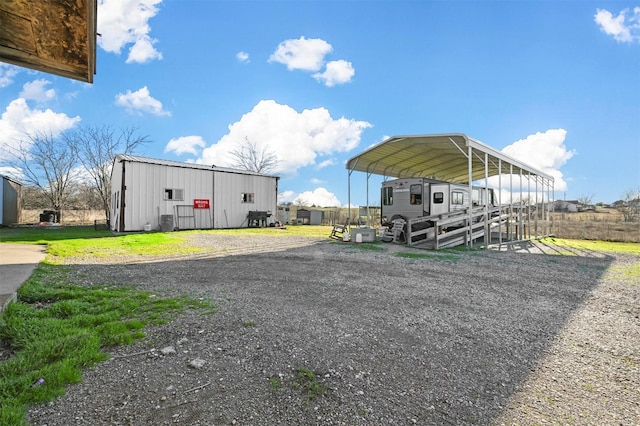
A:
(72, 169)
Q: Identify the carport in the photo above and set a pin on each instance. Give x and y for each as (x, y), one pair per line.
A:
(458, 158)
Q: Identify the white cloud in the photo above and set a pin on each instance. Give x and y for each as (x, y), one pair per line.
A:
(126, 22)
(623, 28)
(37, 91)
(326, 163)
(286, 196)
(317, 181)
(140, 101)
(319, 197)
(143, 51)
(7, 72)
(336, 72)
(544, 151)
(296, 138)
(19, 121)
(13, 173)
(301, 54)
(185, 145)
(309, 55)
(242, 56)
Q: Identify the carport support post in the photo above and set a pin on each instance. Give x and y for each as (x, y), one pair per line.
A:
(487, 230)
(529, 209)
(470, 218)
(511, 215)
(500, 212)
(521, 230)
(349, 200)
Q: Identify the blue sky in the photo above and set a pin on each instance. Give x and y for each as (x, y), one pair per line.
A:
(555, 84)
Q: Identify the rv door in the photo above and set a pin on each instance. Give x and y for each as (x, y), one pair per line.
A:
(439, 198)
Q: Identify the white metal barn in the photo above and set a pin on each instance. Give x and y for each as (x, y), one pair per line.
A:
(148, 194)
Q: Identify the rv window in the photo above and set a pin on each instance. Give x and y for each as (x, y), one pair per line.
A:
(416, 194)
(438, 197)
(247, 197)
(457, 197)
(387, 196)
(168, 194)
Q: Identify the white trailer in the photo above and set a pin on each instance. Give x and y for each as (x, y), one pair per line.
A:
(413, 198)
(148, 194)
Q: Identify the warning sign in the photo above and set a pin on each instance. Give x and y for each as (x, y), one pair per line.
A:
(200, 203)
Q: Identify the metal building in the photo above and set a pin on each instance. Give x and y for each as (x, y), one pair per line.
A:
(10, 199)
(156, 194)
(309, 217)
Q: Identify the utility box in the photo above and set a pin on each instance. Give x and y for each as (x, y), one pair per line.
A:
(166, 223)
(368, 234)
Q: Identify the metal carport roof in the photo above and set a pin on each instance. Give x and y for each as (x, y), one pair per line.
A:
(442, 156)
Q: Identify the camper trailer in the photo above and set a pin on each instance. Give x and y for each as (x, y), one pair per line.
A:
(413, 198)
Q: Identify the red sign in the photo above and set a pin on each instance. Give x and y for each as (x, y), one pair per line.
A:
(200, 203)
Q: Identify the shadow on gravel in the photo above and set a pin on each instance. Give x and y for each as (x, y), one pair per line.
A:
(395, 340)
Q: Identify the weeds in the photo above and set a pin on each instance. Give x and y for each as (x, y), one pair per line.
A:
(306, 380)
(275, 383)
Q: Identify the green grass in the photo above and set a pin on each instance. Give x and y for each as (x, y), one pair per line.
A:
(595, 245)
(453, 254)
(83, 241)
(47, 234)
(57, 329)
(149, 244)
(628, 274)
(311, 231)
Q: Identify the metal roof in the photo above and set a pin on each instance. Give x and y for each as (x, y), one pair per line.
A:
(146, 160)
(443, 156)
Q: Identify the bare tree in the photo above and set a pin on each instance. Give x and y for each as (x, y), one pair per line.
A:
(631, 207)
(32, 198)
(50, 164)
(249, 157)
(585, 200)
(97, 147)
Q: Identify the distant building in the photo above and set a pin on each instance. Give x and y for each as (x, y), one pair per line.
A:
(566, 206)
(148, 194)
(10, 195)
(309, 217)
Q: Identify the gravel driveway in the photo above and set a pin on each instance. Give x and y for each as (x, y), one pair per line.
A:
(315, 332)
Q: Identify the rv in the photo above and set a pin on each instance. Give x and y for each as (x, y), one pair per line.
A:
(413, 198)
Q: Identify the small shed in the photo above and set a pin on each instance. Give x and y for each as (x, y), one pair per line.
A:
(284, 214)
(10, 195)
(148, 193)
(309, 217)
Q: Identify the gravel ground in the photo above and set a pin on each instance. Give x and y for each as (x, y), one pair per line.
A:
(315, 332)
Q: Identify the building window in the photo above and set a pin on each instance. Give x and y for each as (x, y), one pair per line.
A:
(457, 197)
(438, 197)
(387, 196)
(246, 197)
(416, 194)
(173, 194)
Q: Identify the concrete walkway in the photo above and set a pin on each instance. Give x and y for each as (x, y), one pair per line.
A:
(17, 262)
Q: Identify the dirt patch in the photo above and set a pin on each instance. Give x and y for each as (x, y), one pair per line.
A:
(472, 337)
